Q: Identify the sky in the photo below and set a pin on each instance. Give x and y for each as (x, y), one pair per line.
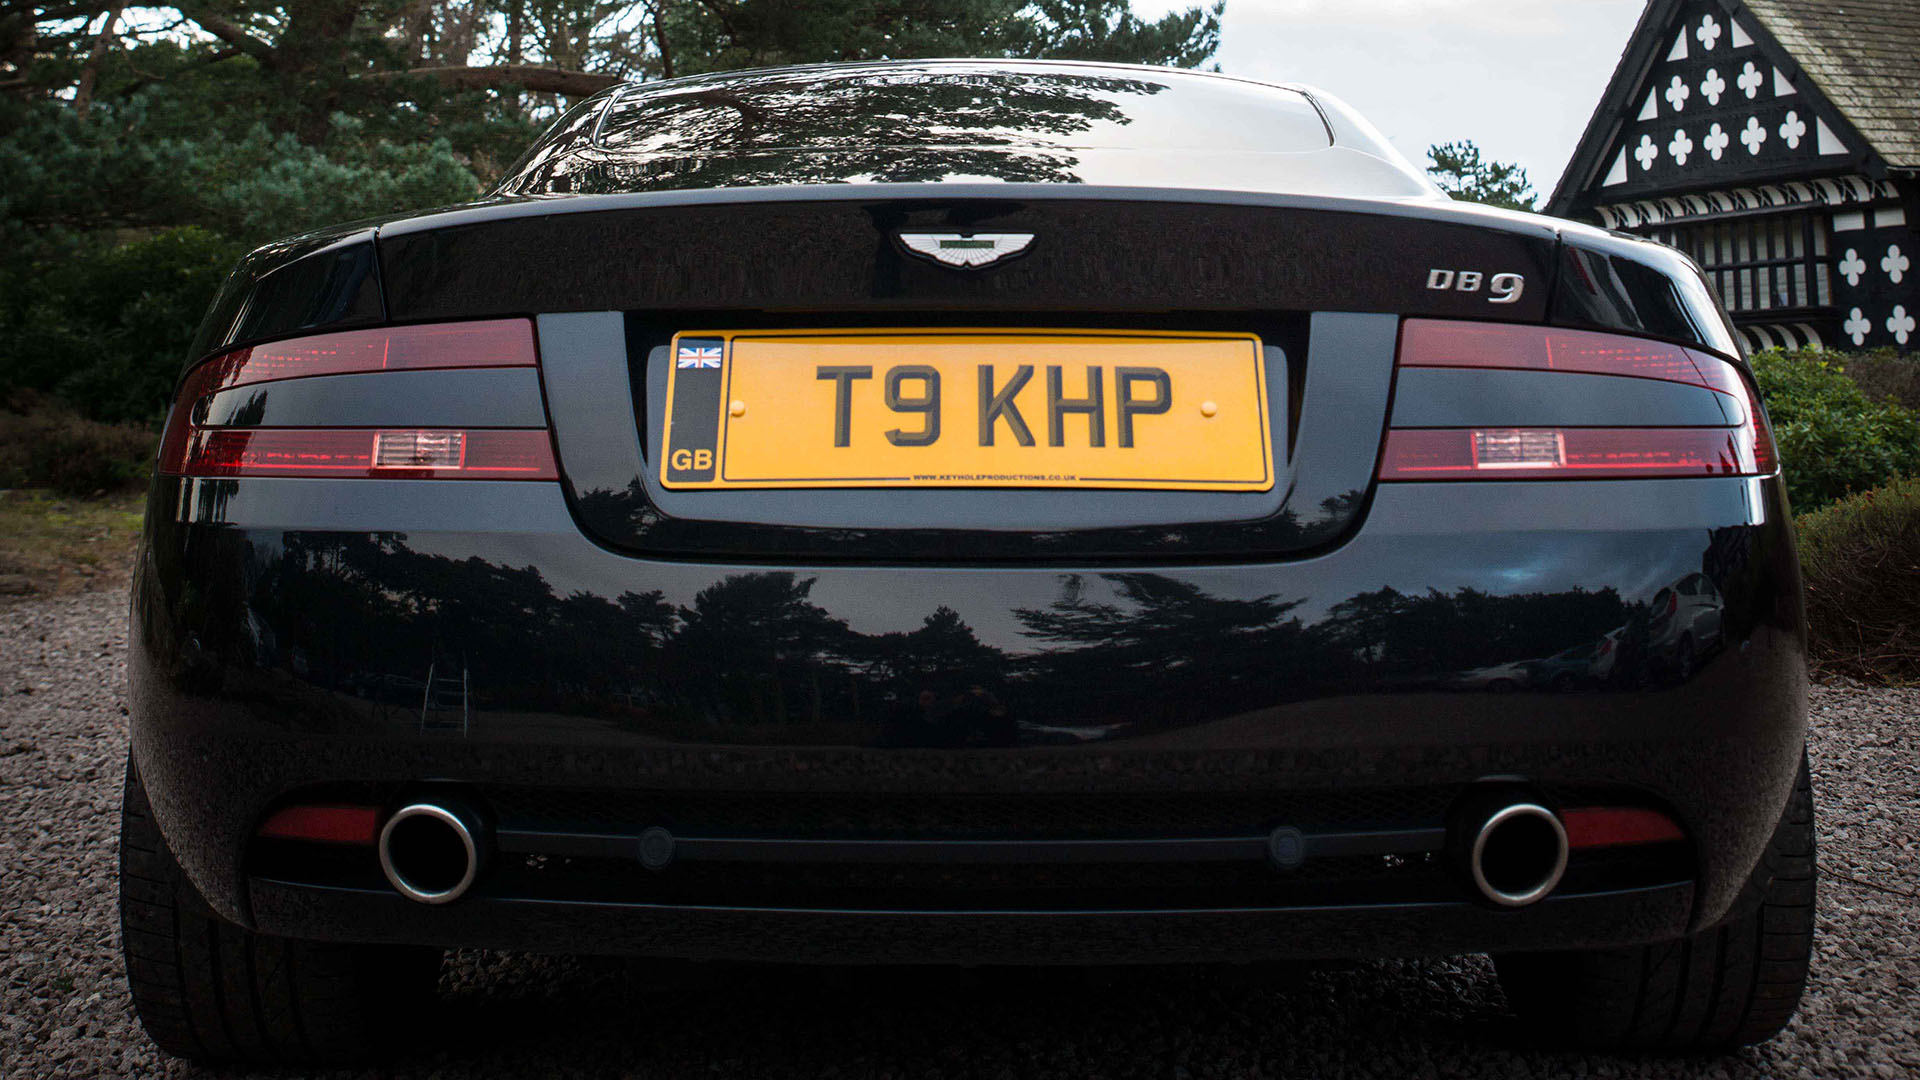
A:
(1518, 77)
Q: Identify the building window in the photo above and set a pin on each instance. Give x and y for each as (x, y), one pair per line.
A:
(1766, 263)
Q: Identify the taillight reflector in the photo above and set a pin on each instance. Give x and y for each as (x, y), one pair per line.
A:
(1565, 453)
(494, 343)
(323, 824)
(1440, 343)
(1617, 826)
(190, 449)
(1744, 448)
(423, 454)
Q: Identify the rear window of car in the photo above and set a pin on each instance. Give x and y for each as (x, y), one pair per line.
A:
(941, 106)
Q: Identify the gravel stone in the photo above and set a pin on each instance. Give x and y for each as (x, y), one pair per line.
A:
(65, 1009)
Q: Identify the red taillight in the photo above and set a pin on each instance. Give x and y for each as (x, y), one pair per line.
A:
(1744, 448)
(486, 454)
(1566, 453)
(1437, 343)
(190, 448)
(323, 824)
(1617, 826)
(497, 343)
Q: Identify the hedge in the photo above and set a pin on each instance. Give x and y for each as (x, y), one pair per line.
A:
(1861, 558)
(1833, 438)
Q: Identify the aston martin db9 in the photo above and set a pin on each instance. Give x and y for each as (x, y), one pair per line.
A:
(965, 513)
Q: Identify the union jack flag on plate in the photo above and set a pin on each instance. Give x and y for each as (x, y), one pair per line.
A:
(699, 356)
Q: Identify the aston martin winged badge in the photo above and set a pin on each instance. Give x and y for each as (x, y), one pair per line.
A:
(966, 249)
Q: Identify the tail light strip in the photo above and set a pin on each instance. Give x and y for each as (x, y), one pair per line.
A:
(1570, 453)
(1439, 343)
(404, 454)
(1545, 453)
(323, 824)
(494, 343)
(1617, 826)
(190, 448)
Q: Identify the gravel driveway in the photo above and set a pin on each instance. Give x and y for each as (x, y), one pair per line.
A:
(65, 1009)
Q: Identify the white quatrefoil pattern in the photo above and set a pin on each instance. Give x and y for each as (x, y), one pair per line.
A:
(1713, 86)
(1900, 324)
(1793, 132)
(1709, 32)
(1895, 264)
(1792, 129)
(1677, 94)
(1851, 267)
(1681, 146)
(1646, 152)
(1716, 141)
(1857, 326)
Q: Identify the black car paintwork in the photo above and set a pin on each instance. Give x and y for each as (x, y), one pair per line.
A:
(528, 256)
(963, 937)
(1619, 283)
(328, 279)
(290, 635)
(268, 613)
(1097, 250)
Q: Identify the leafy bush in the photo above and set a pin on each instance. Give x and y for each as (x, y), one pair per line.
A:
(1861, 557)
(102, 283)
(1833, 439)
(106, 329)
(51, 446)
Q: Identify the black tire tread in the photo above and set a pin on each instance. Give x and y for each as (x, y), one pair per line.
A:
(1732, 985)
(219, 994)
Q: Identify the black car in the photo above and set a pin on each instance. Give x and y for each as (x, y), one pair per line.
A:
(963, 513)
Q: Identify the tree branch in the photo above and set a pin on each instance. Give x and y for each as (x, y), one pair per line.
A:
(148, 78)
(660, 41)
(533, 77)
(90, 72)
(232, 33)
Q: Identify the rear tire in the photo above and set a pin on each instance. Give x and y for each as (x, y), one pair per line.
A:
(217, 993)
(1683, 661)
(1733, 985)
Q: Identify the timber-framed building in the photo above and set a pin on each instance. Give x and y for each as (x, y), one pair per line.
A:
(1777, 142)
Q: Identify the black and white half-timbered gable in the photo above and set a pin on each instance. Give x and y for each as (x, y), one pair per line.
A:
(1778, 143)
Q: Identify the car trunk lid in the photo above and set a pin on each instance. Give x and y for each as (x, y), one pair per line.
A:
(622, 283)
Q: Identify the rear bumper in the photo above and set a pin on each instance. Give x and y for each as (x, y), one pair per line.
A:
(969, 937)
(294, 635)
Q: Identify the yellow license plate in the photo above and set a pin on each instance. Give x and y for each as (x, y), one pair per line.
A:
(967, 408)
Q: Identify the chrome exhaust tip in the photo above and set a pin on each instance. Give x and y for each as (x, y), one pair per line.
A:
(432, 852)
(1518, 855)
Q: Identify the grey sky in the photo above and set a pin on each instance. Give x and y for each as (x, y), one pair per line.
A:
(1519, 77)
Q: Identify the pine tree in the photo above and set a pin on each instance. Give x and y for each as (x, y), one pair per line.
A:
(1462, 173)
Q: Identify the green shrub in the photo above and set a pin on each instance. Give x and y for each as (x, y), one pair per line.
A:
(1833, 438)
(51, 446)
(112, 244)
(1861, 557)
(105, 329)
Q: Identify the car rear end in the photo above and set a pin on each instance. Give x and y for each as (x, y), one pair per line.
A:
(691, 572)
